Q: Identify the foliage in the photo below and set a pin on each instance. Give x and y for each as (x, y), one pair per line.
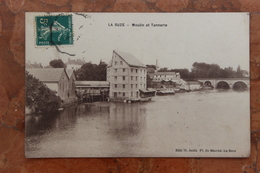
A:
(204, 70)
(184, 73)
(148, 81)
(92, 72)
(151, 66)
(57, 63)
(39, 97)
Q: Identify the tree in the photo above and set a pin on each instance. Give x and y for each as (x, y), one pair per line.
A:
(228, 73)
(57, 63)
(184, 73)
(165, 69)
(39, 98)
(151, 66)
(200, 70)
(148, 81)
(92, 72)
(214, 71)
(239, 72)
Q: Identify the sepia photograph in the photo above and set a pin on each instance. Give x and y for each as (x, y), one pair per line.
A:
(137, 85)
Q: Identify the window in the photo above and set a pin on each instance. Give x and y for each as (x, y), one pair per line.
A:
(115, 70)
(121, 62)
(123, 85)
(115, 77)
(123, 94)
(123, 77)
(123, 70)
(115, 62)
(131, 77)
(115, 85)
(136, 78)
(132, 70)
(136, 70)
(132, 94)
(136, 85)
(131, 85)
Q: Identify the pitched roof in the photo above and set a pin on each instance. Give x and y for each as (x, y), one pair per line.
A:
(47, 74)
(69, 72)
(129, 59)
(165, 73)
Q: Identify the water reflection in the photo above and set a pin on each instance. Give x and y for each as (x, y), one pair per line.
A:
(104, 129)
(126, 120)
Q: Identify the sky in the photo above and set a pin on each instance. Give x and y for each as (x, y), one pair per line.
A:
(219, 38)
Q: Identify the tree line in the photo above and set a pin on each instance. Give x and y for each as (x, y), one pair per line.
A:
(204, 70)
(97, 72)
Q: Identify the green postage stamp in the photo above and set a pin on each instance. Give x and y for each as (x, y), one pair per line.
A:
(54, 30)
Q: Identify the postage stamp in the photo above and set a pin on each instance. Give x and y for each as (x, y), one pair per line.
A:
(54, 30)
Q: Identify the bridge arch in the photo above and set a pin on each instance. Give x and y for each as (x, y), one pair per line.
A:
(222, 85)
(239, 85)
(207, 83)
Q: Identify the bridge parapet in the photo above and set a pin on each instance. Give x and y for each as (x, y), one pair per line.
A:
(230, 81)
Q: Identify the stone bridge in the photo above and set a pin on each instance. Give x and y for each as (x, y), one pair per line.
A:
(226, 83)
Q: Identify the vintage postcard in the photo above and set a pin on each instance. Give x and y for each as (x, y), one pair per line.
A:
(137, 85)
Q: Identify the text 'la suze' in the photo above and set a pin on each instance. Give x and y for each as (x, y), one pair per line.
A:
(117, 24)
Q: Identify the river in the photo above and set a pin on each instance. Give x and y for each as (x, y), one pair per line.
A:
(156, 128)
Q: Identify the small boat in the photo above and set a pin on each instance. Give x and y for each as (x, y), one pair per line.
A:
(145, 99)
(166, 92)
(176, 89)
(131, 100)
(60, 109)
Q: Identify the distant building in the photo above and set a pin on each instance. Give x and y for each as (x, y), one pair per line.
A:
(75, 64)
(72, 87)
(166, 76)
(165, 79)
(192, 85)
(126, 75)
(55, 78)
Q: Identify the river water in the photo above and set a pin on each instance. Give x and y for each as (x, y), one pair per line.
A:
(155, 128)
